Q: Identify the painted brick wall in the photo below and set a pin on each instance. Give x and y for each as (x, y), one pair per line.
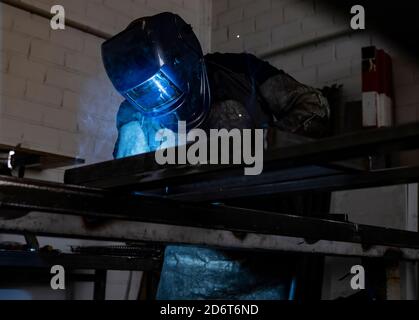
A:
(260, 26)
(55, 95)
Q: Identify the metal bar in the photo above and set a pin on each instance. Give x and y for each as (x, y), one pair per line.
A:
(37, 160)
(299, 45)
(48, 15)
(99, 292)
(68, 226)
(334, 182)
(19, 259)
(216, 190)
(146, 163)
(142, 172)
(15, 277)
(20, 195)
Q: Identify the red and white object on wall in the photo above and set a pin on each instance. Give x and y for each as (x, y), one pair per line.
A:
(377, 88)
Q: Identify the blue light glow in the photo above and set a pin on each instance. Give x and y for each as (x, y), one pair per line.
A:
(155, 95)
(132, 141)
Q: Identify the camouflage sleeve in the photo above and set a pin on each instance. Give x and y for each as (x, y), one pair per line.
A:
(297, 108)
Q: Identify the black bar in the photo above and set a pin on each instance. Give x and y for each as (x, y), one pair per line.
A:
(19, 259)
(13, 277)
(205, 192)
(99, 293)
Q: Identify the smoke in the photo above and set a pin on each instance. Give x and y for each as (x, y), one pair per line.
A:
(97, 108)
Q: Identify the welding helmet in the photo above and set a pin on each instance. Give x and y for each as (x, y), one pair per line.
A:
(157, 64)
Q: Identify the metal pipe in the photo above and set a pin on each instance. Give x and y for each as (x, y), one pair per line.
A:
(311, 42)
(48, 15)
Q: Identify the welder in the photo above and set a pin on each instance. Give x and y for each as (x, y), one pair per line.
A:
(158, 66)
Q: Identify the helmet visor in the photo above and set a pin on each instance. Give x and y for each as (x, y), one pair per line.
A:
(156, 95)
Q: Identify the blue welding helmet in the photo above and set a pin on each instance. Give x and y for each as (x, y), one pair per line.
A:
(157, 64)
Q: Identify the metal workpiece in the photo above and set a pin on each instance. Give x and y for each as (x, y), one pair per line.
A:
(142, 173)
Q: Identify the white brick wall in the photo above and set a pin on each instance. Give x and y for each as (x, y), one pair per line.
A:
(55, 95)
(267, 25)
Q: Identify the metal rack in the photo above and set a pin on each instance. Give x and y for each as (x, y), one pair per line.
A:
(134, 200)
(141, 201)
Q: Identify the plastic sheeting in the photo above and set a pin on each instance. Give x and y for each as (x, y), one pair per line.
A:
(194, 273)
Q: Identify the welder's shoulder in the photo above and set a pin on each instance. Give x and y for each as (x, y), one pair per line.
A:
(244, 63)
(231, 58)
